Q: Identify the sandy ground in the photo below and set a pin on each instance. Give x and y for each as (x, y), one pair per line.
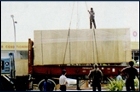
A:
(84, 87)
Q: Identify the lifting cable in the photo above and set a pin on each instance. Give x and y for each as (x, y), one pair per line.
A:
(42, 47)
(93, 42)
(68, 36)
(125, 48)
(92, 37)
(95, 46)
(86, 5)
(77, 17)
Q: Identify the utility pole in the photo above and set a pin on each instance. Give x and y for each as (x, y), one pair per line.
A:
(14, 22)
(13, 71)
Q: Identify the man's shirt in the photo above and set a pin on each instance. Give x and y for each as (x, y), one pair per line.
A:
(62, 80)
(119, 77)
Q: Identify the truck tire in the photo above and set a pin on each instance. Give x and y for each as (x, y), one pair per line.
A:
(40, 85)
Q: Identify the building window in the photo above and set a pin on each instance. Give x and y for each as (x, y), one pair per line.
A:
(23, 54)
(135, 55)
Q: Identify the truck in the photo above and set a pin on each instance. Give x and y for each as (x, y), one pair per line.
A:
(76, 51)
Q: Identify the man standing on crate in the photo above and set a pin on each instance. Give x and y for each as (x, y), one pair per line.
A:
(96, 76)
(92, 18)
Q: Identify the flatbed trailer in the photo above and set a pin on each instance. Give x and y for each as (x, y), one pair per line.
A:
(75, 71)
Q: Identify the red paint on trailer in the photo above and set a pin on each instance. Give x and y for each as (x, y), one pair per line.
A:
(75, 70)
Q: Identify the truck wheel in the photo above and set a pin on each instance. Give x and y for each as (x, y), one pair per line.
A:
(53, 84)
(40, 85)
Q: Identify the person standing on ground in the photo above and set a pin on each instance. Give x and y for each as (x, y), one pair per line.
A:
(48, 85)
(45, 84)
(130, 72)
(92, 18)
(96, 76)
(63, 81)
(119, 77)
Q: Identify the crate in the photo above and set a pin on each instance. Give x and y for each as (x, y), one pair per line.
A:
(82, 46)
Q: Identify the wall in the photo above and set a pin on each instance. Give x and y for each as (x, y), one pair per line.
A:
(20, 54)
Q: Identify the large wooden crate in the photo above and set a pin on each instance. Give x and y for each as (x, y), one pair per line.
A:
(82, 46)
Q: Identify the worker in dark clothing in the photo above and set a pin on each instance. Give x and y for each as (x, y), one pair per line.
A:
(45, 84)
(48, 85)
(96, 76)
(92, 18)
(130, 72)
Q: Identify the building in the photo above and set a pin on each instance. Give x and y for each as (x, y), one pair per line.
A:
(135, 50)
(21, 49)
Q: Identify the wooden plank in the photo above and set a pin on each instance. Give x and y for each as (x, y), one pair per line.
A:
(38, 48)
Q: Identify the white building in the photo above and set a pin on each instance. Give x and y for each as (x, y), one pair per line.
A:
(21, 49)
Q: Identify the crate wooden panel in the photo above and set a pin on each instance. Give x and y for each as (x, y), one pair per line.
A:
(112, 45)
(37, 48)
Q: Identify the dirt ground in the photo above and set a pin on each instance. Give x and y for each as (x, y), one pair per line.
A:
(85, 86)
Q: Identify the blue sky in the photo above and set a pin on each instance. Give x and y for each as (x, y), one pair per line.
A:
(49, 15)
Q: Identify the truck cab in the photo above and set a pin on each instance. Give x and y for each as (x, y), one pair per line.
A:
(5, 66)
(8, 66)
(7, 73)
